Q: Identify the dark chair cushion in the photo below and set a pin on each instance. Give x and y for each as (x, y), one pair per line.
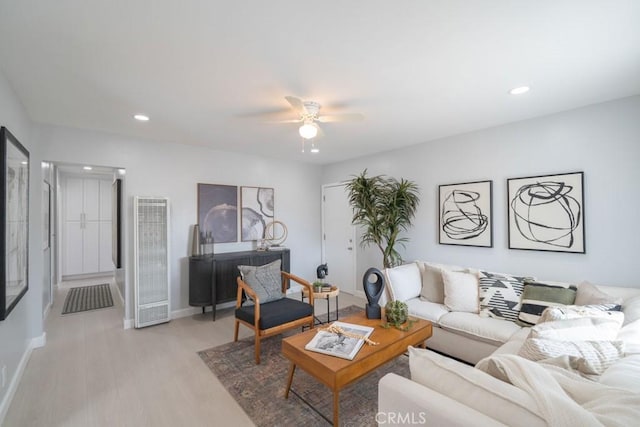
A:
(276, 313)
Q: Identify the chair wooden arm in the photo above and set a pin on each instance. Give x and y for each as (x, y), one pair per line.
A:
(286, 277)
(242, 286)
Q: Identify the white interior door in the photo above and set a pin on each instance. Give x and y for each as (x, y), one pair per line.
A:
(339, 239)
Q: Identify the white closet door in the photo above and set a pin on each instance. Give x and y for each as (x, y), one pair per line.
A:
(105, 202)
(73, 248)
(91, 261)
(73, 199)
(106, 262)
(92, 200)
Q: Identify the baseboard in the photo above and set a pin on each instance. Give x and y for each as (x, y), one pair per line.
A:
(128, 323)
(360, 294)
(36, 342)
(186, 312)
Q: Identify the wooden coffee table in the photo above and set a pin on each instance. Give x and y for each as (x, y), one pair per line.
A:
(337, 373)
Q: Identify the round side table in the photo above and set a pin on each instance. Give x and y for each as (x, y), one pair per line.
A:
(334, 292)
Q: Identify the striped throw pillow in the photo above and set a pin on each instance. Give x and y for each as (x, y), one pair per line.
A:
(537, 296)
(589, 357)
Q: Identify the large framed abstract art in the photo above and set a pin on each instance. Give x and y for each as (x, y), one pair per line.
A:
(14, 222)
(218, 212)
(546, 213)
(465, 214)
(257, 211)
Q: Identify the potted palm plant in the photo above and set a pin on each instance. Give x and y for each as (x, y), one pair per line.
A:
(384, 207)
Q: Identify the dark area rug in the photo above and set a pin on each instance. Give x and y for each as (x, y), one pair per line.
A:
(86, 298)
(259, 389)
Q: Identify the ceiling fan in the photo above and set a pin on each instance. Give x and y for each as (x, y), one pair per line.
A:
(309, 112)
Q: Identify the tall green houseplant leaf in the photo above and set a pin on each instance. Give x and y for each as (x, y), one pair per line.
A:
(384, 207)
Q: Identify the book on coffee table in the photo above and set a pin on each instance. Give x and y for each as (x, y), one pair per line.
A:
(345, 345)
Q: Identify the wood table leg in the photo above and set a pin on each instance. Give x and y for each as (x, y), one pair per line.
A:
(336, 407)
(292, 369)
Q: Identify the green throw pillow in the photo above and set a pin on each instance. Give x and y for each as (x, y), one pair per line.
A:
(537, 296)
(265, 280)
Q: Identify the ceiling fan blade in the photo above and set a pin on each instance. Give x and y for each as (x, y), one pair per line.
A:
(284, 121)
(296, 103)
(347, 117)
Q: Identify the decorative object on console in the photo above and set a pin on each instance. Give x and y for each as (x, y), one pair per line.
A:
(257, 209)
(466, 214)
(218, 212)
(195, 241)
(384, 206)
(546, 213)
(14, 221)
(275, 234)
(373, 292)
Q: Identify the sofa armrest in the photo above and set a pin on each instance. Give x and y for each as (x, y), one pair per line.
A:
(405, 402)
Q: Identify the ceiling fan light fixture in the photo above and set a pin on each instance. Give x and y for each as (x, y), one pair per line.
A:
(308, 131)
(519, 90)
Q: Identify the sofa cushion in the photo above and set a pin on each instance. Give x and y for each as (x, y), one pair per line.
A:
(589, 357)
(487, 329)
(426, 309)
(513, 344)
(404, 281)
(499, 295)
(474, 388)
(460, 291)
(588, 294)
(537, 296)
(264, 280)
(623, 374)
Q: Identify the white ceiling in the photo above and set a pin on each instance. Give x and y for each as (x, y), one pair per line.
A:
(207, 71)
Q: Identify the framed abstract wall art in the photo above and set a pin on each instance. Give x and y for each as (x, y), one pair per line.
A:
(14, 222)
(218, 212)
(546, 213)
(465, 214)
(257, 211)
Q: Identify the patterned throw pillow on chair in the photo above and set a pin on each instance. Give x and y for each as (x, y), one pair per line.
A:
(265, 280)
(499, 295)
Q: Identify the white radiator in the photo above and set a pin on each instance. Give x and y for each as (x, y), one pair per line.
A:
(151, 266)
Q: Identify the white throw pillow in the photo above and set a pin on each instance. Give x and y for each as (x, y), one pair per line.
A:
(404, 281)
(589, 357)
(460, 291)
(578, 329)
(630, 335)
(588, 294)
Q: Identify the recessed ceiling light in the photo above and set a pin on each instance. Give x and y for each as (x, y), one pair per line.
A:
(87, 168)
(315, 150)
(24, 163)
(122, 171)
(519, 90)
(141, 117)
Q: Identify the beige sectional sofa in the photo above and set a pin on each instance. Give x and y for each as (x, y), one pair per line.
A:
(448, 392)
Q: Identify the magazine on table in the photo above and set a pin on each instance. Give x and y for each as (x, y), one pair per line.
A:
(340, 345)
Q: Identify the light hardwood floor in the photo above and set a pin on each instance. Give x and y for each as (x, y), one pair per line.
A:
(92, 372)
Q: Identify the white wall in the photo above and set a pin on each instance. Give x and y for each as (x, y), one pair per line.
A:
(602, 140)
(173, 170)
(24, 323)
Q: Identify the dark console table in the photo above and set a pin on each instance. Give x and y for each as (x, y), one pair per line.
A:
(212, 278)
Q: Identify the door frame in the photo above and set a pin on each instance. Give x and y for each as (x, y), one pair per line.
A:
(354, 257)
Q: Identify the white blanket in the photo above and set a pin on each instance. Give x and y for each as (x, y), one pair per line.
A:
(564, 398)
